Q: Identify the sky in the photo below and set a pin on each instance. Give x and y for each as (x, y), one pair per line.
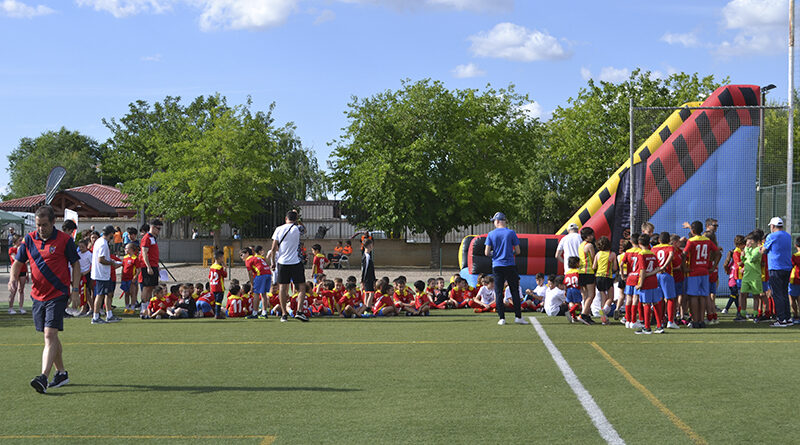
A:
(72, 63)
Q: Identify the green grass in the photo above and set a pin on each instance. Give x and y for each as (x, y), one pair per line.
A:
(454, 377)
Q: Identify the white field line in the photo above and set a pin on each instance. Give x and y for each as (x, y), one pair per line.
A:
(604, 427)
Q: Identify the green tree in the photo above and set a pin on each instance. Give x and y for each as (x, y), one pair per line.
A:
(31, 161)
(209, 161)
(432, 159)
(588, 138)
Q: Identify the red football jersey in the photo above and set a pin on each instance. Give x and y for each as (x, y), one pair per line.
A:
(381, 301)
(662, 251)
(257, 265)
(235, 307)
(129, 267)
(699, 251)
(208, 297)
(458, 294)
(571, 279)
(156, 304)
(171, 299)
(648, 262)
(49, 262)
(421, 299)
(216, 278)
(632, 266)
(677, 264)
(149, 241)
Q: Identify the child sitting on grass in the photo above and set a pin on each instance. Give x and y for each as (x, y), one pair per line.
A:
(185, 306)
(384, 305)
(555, 299)
(235, 305)
(205, 303)
(157, 307)
(350, 302)
(422, 300)
(485, 300)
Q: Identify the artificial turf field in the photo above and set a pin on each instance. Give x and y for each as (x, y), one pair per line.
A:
(453, 377)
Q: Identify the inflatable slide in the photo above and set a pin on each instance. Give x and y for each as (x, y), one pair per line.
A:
(697, 164)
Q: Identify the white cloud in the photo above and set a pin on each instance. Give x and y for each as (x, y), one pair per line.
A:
(613, 75)
(515, 42)
(325, 16)
(533, 110)
(16, 9)
(153, 58)
(467, 71)
(760, 25)
(124, 8)
(244, 14)
(688, 39)
(585, 73)
(457, 5)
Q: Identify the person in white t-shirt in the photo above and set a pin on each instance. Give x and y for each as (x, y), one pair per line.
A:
(555, 299)
(285, 255)
(101, 274)
(484, 301)
(569, 245)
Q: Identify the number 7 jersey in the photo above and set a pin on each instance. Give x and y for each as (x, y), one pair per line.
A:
(699, 250)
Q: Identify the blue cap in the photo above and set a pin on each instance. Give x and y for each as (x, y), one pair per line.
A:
(499, 216)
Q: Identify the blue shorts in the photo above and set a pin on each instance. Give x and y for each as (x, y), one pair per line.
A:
(680, 287)
(104, 287)
(697, 286)
(261, 284)
(765, 286)
(203, 306)
(125, 286)
(739, 284)
(50, 313)
(630, 290)
(667, 285)
(712, 287)
(794, 290)
(574, 295)
(650, 296)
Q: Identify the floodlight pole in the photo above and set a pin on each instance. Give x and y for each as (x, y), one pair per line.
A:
(630, 169)
(790, 147)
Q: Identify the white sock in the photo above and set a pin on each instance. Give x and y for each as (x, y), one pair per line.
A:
(95, 316)
(109, 314)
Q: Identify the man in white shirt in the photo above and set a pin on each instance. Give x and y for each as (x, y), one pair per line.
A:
(285, 252)
(569, 245)
(101, 274)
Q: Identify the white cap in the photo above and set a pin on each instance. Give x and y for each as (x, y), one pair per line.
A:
(776, 221)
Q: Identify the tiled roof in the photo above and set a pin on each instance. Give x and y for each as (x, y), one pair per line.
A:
(107, 194)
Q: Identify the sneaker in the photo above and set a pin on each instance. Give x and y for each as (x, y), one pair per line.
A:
(739, 317)
(113, 319)
(583, 319)
(672, 325)
(98, 321)
(658, 330)
(616, 315)
(13, 312)
(39, 383)
(157, 317)
(796, 321)
(569, 317)
(713, 322)
(263, 317)
(588, 318)
(501, 322)
(22, 311)
(144, 317)
(781, 324)
(701, 325)
(220, 316)
(82, 314)
(301, 316)
(644, 331)
(521, 321)
(284, 318)
(603, 318)
(60, 379)
(637, 325)
(627, 325)
(724, 311)
(251, 317)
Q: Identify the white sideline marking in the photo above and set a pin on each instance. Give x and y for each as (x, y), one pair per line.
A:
(602, 424)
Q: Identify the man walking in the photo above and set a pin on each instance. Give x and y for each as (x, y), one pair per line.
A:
(778, 248)
(569, 245)
(502, 245)
(51, 252)
(101, 274)
(285, 252)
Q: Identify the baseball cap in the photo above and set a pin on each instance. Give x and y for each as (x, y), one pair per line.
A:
(776, 221)
(108, 230)
(499, 216)
(572, 226)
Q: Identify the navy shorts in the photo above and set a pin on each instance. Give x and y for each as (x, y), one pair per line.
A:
(104, 287)
(50, 313)
(261, 284)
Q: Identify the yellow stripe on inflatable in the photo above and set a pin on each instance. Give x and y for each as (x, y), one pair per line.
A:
(651, 144)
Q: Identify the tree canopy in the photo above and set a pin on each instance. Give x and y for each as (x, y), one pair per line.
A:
(431, 159)
(31, 161)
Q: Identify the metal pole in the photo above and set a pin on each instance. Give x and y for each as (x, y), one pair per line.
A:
(630, 170)
(760, 158)
(790, 147)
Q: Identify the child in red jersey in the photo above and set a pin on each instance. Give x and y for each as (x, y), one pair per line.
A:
(384, 305)
(206, 303)
(129, 267)
(666, 282)
(350, 302)
(248, 300)
(319, 262)
(12, 253)
(322, 303)
(701, 254)
(574, 296)
(235, 305)
(157, 307)
(484, 301)
(173, 296)
(422, 299)
(274, 299)
(630, 258)
(649, 292)
(679, 274)
(216, 278)
(403, 298)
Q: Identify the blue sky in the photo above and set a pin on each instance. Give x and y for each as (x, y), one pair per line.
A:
(72, 63)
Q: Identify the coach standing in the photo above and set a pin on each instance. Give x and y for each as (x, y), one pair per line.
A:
(502, 245)
(285, 252)
(149, 246)
(778, 248)
(569, 245)
(50, 252)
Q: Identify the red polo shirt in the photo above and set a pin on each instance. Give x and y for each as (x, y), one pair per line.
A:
(149, 241)
(49, 263)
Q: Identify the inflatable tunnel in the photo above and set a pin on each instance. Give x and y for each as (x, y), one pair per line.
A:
(698, 164)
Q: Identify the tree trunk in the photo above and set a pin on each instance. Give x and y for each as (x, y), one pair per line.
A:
(436, 250)
(217, 239)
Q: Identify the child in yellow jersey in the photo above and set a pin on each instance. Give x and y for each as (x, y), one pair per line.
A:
(794, 283)
(604, 265)
(586, 275)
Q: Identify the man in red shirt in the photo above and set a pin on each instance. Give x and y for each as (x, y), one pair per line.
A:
(701, 254)
(50, 252)
(149, 256)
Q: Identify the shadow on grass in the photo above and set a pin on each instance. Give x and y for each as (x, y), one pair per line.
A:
(14, 321)
(104, 389)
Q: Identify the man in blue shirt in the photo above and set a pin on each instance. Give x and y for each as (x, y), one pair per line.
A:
(778, 247)
(502, 245)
